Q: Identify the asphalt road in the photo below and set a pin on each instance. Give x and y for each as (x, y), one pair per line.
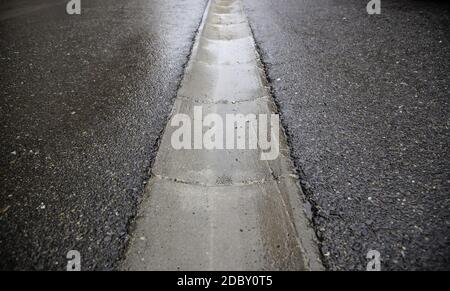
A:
(365, 102)
(83, 102)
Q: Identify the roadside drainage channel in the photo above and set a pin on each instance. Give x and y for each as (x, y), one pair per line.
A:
(222, 209)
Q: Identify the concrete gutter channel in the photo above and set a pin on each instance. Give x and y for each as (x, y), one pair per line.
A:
(222, 209)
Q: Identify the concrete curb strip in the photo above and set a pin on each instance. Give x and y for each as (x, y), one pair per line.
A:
(222, 209)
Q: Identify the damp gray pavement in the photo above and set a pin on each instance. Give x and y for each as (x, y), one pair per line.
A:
(83, 101)
(365, 102)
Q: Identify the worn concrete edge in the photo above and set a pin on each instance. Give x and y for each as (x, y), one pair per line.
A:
(304, 193)
(131, 224)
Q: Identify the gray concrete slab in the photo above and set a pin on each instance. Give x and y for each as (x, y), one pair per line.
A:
(214, 167)
(225, 52)
(211, 83)
(191, 227)
(216, 18)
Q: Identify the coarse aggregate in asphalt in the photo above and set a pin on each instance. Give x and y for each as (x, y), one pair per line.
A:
(84, 99)
(365, 102)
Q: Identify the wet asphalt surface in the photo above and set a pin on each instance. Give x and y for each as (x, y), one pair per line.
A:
(365, 102)
(83, 102)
